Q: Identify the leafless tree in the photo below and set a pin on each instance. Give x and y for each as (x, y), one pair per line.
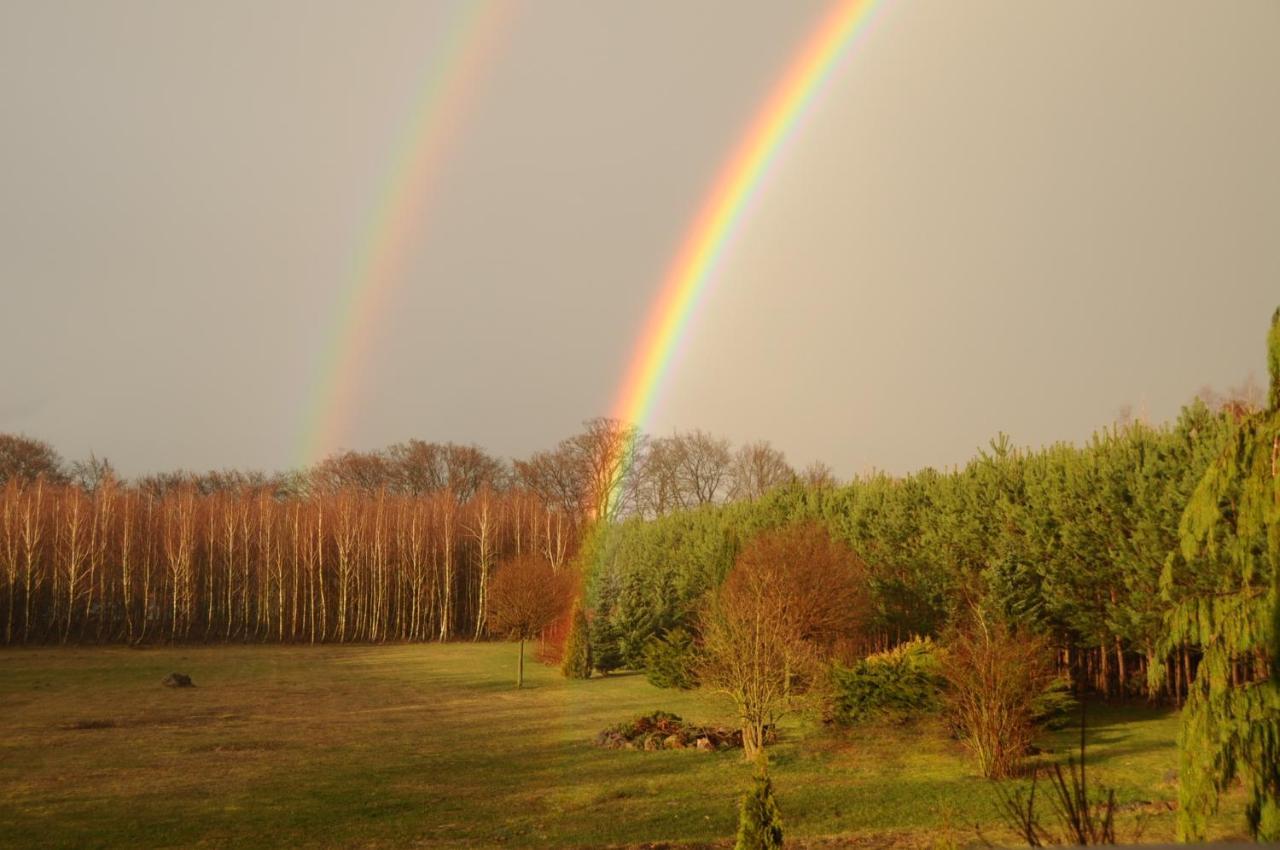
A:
(758, 468)
(658, 487)
(818, 476)
(349, 470)
(704, 466)
(556, 478)
(26, 458)
(93, 473)
(604, 450)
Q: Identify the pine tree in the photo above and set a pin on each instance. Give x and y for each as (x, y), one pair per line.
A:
(759, 821)
(1224, 587)
(577, 649)
(606, 654)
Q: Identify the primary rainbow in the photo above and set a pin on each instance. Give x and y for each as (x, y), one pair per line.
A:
(722, 210)
(445, 89)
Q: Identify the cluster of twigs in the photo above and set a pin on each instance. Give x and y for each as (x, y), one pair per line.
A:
(1080, 820)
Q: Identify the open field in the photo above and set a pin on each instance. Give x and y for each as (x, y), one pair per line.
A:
(430, 746)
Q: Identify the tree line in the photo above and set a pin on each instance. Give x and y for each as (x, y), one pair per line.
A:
(125, 564)
(1077, 542)
(394, 544)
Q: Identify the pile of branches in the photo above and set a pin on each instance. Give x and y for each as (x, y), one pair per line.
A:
(662, 730)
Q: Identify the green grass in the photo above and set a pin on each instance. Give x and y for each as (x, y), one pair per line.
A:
(431, 746)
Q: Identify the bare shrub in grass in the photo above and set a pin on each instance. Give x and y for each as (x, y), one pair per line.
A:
(995, 676)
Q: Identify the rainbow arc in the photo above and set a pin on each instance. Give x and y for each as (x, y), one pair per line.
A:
(692, 271)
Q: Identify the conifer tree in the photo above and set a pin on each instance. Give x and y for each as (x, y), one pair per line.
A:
(577, 648)
(606, 655)
(759, 821)
(1224, 590)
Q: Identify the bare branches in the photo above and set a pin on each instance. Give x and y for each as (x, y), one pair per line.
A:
(175, 563)
(758, 468)
(791, 595)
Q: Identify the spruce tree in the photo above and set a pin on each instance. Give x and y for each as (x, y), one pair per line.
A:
(759, 821)
(1224, 587)
(606, 654)
(577, 648)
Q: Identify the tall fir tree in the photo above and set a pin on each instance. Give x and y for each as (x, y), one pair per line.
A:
(1225, 590)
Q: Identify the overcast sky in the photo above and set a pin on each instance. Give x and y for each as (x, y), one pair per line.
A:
(1015, 216)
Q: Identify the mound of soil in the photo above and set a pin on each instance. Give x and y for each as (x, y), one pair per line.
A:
(177, 680)
(665, 731)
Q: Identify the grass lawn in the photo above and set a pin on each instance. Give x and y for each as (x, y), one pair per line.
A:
(431, 746)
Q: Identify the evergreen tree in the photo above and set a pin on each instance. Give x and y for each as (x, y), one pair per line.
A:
(759, 821)
(1225, 601)
(577, 648)
(606, 653)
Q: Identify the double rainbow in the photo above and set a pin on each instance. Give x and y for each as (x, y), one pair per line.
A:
(692, 272)
(445, 90)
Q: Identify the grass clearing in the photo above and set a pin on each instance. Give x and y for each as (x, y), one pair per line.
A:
(431, 746)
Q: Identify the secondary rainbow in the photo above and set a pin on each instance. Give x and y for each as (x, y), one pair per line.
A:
(445, 90)
(712, 230)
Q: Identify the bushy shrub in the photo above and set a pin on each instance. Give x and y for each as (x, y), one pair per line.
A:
(670, 661)
(995, 676)
(759, 821)
(898, 684)
(577, 648)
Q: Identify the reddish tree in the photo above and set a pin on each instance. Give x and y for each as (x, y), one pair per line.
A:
(526, 596)
(791, 596)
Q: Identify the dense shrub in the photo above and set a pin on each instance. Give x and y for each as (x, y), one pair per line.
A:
(898, 684)
(671, 661)
(995, 678)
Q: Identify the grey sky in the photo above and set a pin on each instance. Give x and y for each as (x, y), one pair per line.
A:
(1012, 216)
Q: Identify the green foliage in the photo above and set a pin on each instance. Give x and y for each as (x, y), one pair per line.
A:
(1067, 541)
(897, 684)
(606, 653)
(1273, 361)
(670, 661)
(1055, 707)
(577, 648)
(759, 820)
(1223, 586)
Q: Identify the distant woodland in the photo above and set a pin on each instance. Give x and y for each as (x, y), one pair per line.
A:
(1080, 542)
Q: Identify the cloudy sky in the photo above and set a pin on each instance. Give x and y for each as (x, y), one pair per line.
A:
(1016, 216)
